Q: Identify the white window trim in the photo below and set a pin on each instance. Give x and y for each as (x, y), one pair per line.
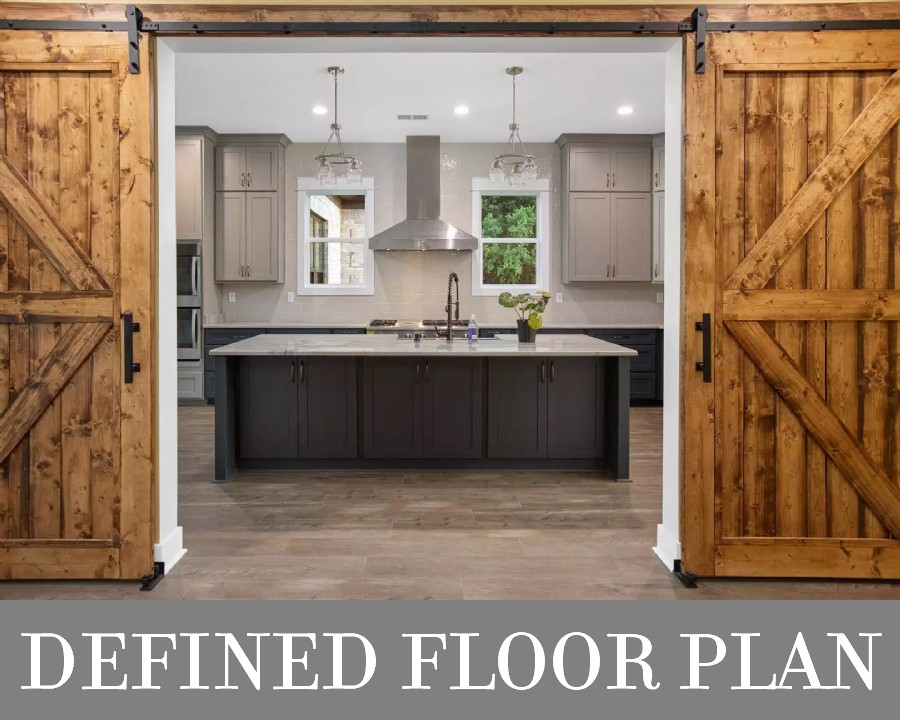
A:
(541, 190)
(307, 186)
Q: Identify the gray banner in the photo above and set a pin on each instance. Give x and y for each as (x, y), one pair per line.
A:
(817, 660)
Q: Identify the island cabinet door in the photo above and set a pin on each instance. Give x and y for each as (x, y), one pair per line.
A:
(392, 407)
(517, 408)
(451, 408)
(327, 401)
(574, 408)
(267, 408)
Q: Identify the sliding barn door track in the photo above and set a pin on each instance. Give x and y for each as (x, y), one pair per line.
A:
(136, 23)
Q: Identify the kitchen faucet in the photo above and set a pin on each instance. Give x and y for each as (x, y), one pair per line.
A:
(454, 278)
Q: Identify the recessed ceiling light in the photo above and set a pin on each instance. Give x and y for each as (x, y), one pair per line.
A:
(625, 110)
(461, 110)
(320, 109)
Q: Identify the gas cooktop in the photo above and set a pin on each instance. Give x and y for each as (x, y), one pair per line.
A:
(392, 324)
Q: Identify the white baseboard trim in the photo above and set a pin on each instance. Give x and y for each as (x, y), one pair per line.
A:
(170, 549)
(667, 547)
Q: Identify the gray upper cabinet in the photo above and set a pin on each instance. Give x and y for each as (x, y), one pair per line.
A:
(589, 168)
(231, 167)
(250, 206)
(659, 236)
(607, 181)
(188, 188)
(630, 169)
(631, 222)
(231, 233)
(261, 244)
(590, 240)
(659, 166)
(262, 168)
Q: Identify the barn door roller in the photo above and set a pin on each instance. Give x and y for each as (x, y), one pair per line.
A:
(135, 23)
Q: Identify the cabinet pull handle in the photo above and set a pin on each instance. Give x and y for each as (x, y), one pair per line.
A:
(614, 270)
(607, 179)
(302, 372)
(552, 372)
(293, 370)
(427, 372)
(656, 179)
(249, 179)
(607, 269)
(242, 179)
(543, 371)
(418, 372)
(656, 270)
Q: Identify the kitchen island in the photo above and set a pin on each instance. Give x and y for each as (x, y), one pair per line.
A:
(378, 402)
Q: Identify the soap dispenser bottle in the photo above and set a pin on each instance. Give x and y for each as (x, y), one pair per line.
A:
(472, 330)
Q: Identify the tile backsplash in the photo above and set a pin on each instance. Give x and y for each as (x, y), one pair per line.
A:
(413, 285)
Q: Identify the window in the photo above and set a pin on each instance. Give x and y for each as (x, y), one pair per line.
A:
(333, 256)
(513, 230)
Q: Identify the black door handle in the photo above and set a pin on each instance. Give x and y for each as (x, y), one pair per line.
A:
(552, 372)
(129, 327)
(705, 326)
(543, 371)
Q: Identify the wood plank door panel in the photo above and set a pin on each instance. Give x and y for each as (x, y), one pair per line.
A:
(792, 215)
(76, 203)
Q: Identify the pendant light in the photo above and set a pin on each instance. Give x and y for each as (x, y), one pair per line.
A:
(516, 168)
(349, 166)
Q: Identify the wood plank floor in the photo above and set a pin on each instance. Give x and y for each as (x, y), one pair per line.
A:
(426, 535)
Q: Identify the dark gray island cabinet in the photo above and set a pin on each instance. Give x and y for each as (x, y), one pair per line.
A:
(317, 402)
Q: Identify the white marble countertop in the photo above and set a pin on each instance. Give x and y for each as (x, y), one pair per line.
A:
(389, 345)
(233, 324)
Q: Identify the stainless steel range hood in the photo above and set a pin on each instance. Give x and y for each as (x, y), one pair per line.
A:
(423, 228)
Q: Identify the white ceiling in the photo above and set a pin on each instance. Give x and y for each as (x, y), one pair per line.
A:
(257, 85)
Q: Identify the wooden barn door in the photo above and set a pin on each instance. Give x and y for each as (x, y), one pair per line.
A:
(76, 442)
(791, 456)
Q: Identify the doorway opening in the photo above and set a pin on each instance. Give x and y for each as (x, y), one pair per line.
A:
(376, 534)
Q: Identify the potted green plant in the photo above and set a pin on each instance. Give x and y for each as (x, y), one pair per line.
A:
(529, 307)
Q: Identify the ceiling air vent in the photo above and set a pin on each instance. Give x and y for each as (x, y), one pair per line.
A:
(412, 117)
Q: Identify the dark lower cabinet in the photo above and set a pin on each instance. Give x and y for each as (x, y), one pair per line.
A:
(575, 397)
(517, 410)
(327, 407)
(392, 403)
(422, 408)
(451, 408)
(545, 408)
(268, 411)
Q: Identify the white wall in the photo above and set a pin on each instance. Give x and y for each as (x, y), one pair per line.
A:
(668, 546)
(169, 549)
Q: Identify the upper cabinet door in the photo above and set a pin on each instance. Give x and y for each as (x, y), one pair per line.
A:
(631, 169)
(230, 229)
(631, 241)
(188, 188)
(589, 168)
(231, 171)
(261, 253)
(262, 168)
(589, 237)
(659, 236)
(659, 167)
